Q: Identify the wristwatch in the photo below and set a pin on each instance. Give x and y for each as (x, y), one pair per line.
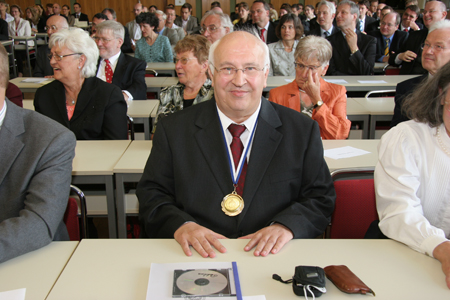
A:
(318, 104)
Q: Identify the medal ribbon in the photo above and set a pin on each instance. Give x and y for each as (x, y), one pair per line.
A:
(243, 158)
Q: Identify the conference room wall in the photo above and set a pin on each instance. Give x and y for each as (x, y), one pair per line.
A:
(23, 4)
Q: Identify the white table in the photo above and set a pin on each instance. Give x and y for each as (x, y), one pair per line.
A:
(363, 161)
(27, 87)
(380, 109)
(142, 111)
(352, 82)
(37, 271)
(119, 269)
(93, 164)
(129, 169)
(162, 67)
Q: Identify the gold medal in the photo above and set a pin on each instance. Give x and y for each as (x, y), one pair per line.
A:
(232, 204)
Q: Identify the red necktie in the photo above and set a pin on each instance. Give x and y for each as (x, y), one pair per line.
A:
(108, 71)
(262, 35)
(237, 147)
(405, 30)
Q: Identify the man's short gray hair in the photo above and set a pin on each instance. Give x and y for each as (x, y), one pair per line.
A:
(330, 6)
(160, 12)
(78, 41)
(111, 11)
(444, 24)
(224, 19)
(354, 8)
(313, 46)
(257, 39)
(116, 28)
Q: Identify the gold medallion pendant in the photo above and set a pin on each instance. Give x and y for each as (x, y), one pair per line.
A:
(232, 204)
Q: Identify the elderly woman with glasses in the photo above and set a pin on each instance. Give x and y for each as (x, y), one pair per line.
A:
(289, 31)
(90, 107)
(412, 174)
(152, 47)
(194, 86)
(309, 94)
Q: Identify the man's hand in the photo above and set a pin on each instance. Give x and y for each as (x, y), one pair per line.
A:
(407, 56)
(352, 39)
(414, 26)
(268, 240)
(442, 253)
(199, 237)
(386, 58)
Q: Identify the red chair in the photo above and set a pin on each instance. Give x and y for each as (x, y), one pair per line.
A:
(355, 206)
(71, 216)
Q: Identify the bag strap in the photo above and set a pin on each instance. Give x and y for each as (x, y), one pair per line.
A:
(278, 278)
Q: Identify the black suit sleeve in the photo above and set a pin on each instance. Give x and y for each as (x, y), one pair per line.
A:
(363, 60)
(4, 36)
(114, 125)
(126, 46)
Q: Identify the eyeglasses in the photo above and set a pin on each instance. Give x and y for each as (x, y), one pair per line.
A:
(229, 72)
(210, 29)
(387, 24)
(437, 48)
(103, 40)
(184, 60)
(429, 11)
(53, 28)
(60, 57)
(300, 66)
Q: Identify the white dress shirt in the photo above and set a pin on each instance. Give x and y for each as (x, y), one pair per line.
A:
(245, 136)
(2, 114)
(265, 33)
(412, 185)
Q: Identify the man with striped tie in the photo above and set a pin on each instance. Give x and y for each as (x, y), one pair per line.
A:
(389, 38)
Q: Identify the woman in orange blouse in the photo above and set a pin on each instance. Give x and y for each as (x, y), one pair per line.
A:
(309, 94)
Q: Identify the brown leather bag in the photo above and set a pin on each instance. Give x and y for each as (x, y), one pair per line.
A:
(346, 281)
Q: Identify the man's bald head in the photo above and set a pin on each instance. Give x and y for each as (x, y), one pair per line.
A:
(55, 23)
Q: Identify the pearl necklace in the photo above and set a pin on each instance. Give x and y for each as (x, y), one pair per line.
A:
(70, 102)
(441, 144)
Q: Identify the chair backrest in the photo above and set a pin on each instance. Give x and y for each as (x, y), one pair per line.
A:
(355, 206)
(71, 216)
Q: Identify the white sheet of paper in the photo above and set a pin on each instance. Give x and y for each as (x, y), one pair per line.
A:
(13, 295)
(259, 297)
(161, 277)
(34, 80)
(372, 81)
(344, 152)
(336, 81)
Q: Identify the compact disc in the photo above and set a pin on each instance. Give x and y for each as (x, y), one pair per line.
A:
(202, 282)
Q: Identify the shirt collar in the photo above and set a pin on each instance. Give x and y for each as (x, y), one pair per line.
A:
(249, 123)
(3, 113)
(113, 60)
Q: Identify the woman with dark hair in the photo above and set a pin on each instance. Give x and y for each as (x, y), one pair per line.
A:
(152, 47)
(36, 22)
(289, 31)
(65, 10)
(285, 9)
(244, 15)
(412, 175)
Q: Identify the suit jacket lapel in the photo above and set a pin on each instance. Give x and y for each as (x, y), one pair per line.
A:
(10, 145)
(84, 97)
(57, 98)
(210, 141)
(120, 70)
(265, 144)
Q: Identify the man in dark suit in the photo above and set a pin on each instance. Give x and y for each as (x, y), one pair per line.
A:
(409, 18)
(173, 34)
(373, 8)
(432, 60)
(188, 22)
(389, 38)
(126, 46)
(364, 20)
(42, 67)
(325, 16)
(410, 54)
(284, 190)
(260, 16)
(78, 14)
(36, 156)
(376, 25)
(354, 53)
(128, 73)
(4, 36)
